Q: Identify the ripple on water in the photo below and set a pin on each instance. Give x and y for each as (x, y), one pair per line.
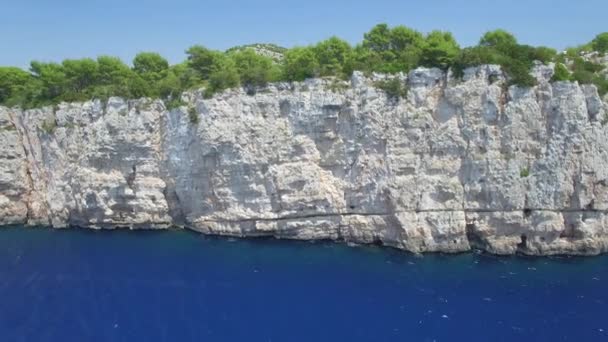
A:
(78, 285)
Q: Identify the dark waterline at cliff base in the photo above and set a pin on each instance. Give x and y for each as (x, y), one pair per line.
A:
(77, 285)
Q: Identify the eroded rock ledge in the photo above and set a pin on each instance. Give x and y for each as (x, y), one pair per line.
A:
(459, 164)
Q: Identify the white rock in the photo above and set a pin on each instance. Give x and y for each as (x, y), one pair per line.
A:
(457, 165)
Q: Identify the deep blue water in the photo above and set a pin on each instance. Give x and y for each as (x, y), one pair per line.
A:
(77, 285)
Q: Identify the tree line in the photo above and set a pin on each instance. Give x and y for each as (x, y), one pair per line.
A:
(384, 49)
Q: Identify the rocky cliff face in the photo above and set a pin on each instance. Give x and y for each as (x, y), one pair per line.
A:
(457, 165)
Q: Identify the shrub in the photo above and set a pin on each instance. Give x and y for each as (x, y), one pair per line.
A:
(544, 54)
(334, 56)
(300, 63)
(48, 126)
(79, 76)
(203, 61)
(602, 85)
(600, 42)
(498, 39)
(174, 103)
(440, 50)
(390, 50)
(224, 75)
(383, 49)
(585, 72)
(500, 47)
(253, 69)
(394, 88)
(12, 84)
(524, 173)
(474, 56)
(519, 72)
(150, 64)
(561, 73)
(193, 115)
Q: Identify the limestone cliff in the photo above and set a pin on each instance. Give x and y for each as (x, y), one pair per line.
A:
(458, 164)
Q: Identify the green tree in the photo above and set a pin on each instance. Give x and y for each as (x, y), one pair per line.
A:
(390, 50)
(152, 68)
(149, 63)
(407, 46)
(440, 50)
(500, 47)
(499, 39)
(51, 82)
(561, 73)
(254, 69)
(334, 56)
(203, 60)
(138, 87)
(13, 83)
(112, 78)
(519, 71)
(474, 56)
(300, 63)
(378, 39)
(224, 75)
(544, 54)
(80, 76)
(178, 78)
(403, 38)
(600, 43)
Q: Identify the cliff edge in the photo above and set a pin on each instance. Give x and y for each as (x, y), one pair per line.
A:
(455, 165)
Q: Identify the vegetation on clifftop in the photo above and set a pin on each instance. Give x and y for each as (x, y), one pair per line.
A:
(383, 49)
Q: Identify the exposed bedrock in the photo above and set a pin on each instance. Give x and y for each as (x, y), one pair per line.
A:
(458, 164)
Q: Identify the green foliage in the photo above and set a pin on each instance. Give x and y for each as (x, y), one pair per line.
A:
(394, 88)
(271, 51)
(440, 50)
(500, 47)
(193, 115)
(113, 78)
(498, 39)
(524, 173)
(390, 50)
(153, 70)
(51, 81)
(179, 77)
(146, 63)
(334, 56)
(383, 49)
(174, 103)
(519, 71)
(223, 75)
(12, 85)
(586, 72)
(8, 128)
(259, 46)
(561, 73)
(253, 69)
(602, 85)
(203, 60)
(600, 43)
(300, 63)
(543, 54)
(474, 56)
(48, 126)
(80, 76)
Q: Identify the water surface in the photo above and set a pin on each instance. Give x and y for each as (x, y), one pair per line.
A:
(80, 285)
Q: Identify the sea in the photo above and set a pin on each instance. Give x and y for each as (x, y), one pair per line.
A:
(84, 285)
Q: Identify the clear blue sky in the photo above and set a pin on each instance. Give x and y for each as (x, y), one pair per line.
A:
(52, 30)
